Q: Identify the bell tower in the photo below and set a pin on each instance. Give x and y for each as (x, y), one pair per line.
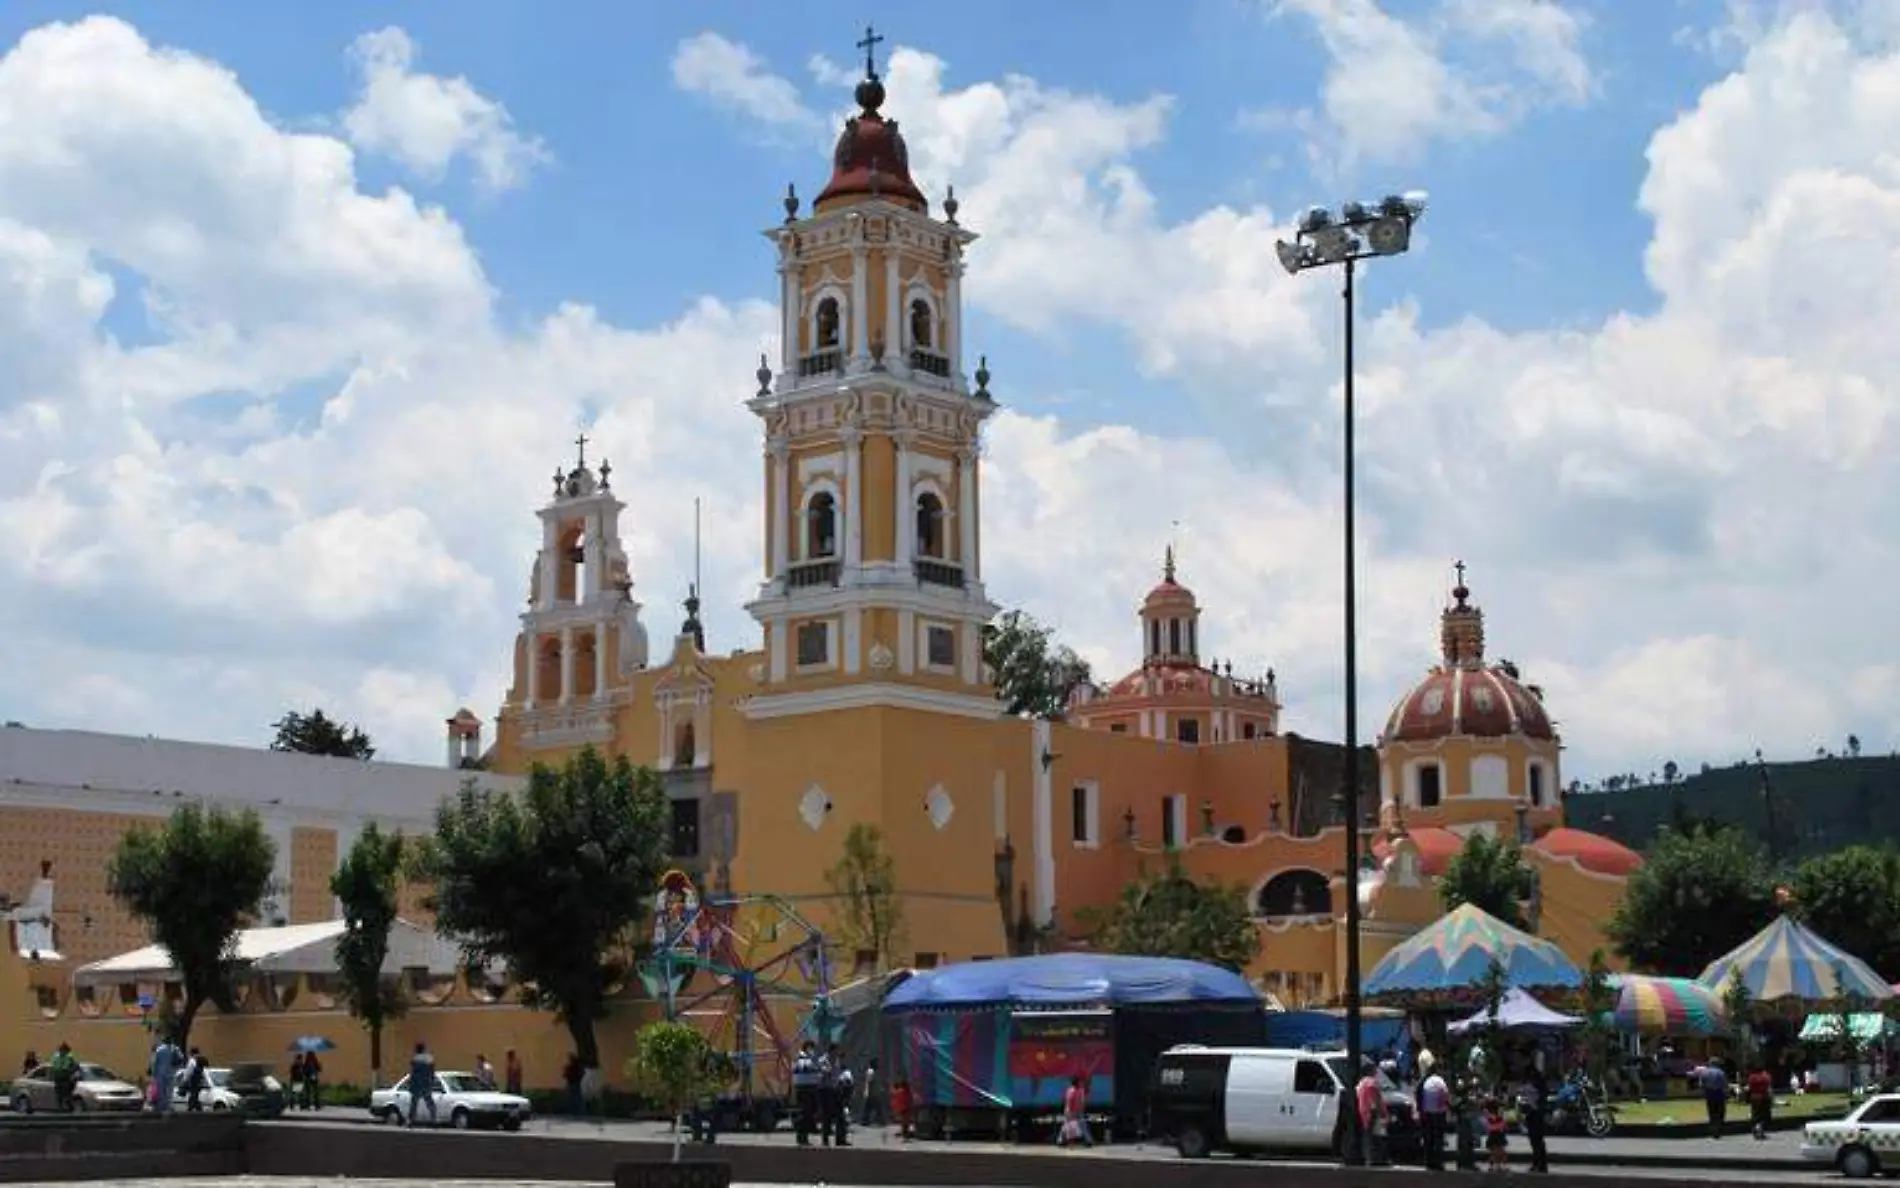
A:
(581, 636)
(873, 589)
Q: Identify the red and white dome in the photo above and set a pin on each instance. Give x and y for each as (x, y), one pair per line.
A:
(1464, 696)
(1593, 852)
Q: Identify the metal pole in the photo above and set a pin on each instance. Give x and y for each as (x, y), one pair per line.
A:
(1355, 1151)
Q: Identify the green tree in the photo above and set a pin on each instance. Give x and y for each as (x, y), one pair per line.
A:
(1491, 874)
(1740, 1008)
(673, 1064)
(367, 883)
(1697, 896)
(1492, 985)
(1599, 1000)
(868, 915)
(1034, 674)
(316, 733)
(552, 880)
(1848, 1045)
(1851, 896)
(195, 881)
(1168, 914)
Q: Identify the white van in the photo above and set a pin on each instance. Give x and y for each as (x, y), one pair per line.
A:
(1245, 1099)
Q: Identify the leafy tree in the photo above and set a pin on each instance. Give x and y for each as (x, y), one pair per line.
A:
(1596, 1034)
(868, 917)
(552, 881)
(1034, 675)
(367, 883)
(1670, 771)
(1852, 897)
(1491, 874)
(1853, 746)
(1697, 896)
(1848, 1047)
(1492, 986)
(673, 1064)
(1740, 1009)
(195, 881)
(316, 733)
(1170, 915)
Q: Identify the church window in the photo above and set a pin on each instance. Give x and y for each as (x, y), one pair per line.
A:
(1154, 637)
(826, 324)
(1188, 730)
(1118, 728)
(1430, 790)
(920, 325)
(814, 644)
(684, 838)
(1170, 830)
(1247, 730)
(929, 525)
(940, 645)
(1174, 637)
(1537, 785)
(821, 526)
(683, 748)
(1084, 817)
(1190, 638)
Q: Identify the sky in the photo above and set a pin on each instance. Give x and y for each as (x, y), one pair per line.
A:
(300, 305)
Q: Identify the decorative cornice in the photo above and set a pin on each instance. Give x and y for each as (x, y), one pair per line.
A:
(864, 696)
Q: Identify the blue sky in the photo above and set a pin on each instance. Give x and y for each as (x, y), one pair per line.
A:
(1635, 357)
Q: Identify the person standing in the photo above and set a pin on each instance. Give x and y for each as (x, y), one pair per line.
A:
(422, 1083)
(195, 1077)
(484, 1072)
(827, 1097)
(296, 1081)
(842, 1083)
(574, 1076)
(1715, 1097)
(164, 1075)
(1075, 1121)
(511, 1072)
(1434, 1108)
(1372, 1117)
(1536, 1100)
(873, 1113)
(312, 1082)
(65, 1070)
(1761, 1100)
(804, 1093)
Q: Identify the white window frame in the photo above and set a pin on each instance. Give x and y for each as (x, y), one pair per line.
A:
(1175, 805)
(830, 663)
(813, 300)
(1091, 815)
(802, 526)
(924, 628)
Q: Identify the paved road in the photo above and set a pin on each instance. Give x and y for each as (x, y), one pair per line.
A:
(1777, 1158)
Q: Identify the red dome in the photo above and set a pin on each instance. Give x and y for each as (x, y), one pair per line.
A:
(1168, 593)
(1593, 852)
(871, 157)
(1436, 847)
(1164, 680)
(1476, 702)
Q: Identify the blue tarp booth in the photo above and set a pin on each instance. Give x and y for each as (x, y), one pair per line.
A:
(1313, 1029)
(1009, 1035)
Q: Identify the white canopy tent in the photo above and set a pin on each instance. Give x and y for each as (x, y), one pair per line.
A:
(296, 949)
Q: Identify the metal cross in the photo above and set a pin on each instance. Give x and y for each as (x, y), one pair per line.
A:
(869, 46)
(1460, 567)
(581, 444)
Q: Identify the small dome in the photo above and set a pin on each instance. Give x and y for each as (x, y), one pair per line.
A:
(1436, 848)
(1593, 852)
(1165, 680)
(871, 157)
(1168, 592)
(1474, 702)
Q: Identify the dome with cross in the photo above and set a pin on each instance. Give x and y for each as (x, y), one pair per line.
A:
(871, 158)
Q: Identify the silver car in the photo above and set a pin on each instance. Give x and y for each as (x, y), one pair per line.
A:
(98, 1090)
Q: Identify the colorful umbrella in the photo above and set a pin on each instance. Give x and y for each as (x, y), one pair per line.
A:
(1786, 961)
(311, 1043)
(1667, 1006)
(1454, 954)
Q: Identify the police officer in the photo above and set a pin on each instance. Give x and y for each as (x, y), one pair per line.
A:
(805, 1080)
(841, 1086)
(827, 1097)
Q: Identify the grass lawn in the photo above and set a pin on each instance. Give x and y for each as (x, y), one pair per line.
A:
(1688, 1111)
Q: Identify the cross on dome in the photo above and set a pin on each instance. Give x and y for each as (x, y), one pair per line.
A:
(580, 444)
(869, 43)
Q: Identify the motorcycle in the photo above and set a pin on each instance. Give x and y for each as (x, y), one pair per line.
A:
(1581, 1105)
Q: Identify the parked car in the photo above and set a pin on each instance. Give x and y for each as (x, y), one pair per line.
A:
(1205, 1100)
(1865, 1143)
(461, 1101)
(246, 1088)
(98, 1090)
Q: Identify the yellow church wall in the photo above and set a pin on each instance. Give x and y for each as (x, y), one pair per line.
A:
(1575, 905)
(880, 474)
(1245, 779)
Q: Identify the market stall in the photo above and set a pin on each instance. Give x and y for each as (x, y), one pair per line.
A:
(1443, 964)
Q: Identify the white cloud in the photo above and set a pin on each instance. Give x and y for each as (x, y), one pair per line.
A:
(1470, 69)
(426, 121)
(733, 76)
(1682, 518)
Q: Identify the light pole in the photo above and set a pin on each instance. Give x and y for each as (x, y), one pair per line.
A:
(1357, 232)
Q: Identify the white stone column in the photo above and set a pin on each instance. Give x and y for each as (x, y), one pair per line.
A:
(953, 317)
(906, 510)
(595, 560)
(896, 340)
(852, 439)
(600, 661)
(534, 668)
(860, 302)
(550, 565)
(780, 452)
(789, 316)
(567, 665)
(966, 512)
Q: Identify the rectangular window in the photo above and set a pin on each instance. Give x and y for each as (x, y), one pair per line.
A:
(685, 832)
(1246, 729)
(940, 647)
(814, 644)
(1188, 730)
(1174, 636)
(1429, 790)
(1084, 816)
(1170, 834)
(1537, 785)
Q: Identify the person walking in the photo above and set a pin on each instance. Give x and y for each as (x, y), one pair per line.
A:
(296, 1081)
(1370, 1101)
(574, 1076)
(874, 1112)
(422, 1083)
(65, 1070)
(1075, 1121)
(312, 1082)
(195, 1077)
(842, 1083)
(511, 1072)
(1714, 1082)
(484, 1072)
(1534, 1102)
(827, 1097)
(804, 1093)
(164, 1075)
(1434, 1108)
(1761, 1101)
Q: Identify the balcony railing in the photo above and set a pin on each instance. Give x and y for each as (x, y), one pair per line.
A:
(930, 363)
(806, 574)
(938, 573)
(823, 362)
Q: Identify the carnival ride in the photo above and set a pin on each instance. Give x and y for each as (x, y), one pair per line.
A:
(738, 968)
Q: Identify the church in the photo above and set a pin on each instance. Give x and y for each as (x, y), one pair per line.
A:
(869, 702)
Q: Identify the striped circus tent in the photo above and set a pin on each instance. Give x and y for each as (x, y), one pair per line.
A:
(1648, 1005)
(1453, 955)
(1788, 962)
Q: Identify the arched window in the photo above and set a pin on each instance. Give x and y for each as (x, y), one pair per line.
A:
(683, 749)
(929, 525)
(821, 526)
(827, 324)
(1295, 893)
(920, 325)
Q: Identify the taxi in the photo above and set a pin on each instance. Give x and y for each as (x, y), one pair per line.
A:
(1865, 1143)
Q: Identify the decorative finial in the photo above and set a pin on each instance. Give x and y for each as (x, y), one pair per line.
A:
(791, 203)
(1167, 564)
(983, 378)
(870, 93)
(765, 376)
(606, 474)
(580, 444)
(692, 625)
(1460, 591)
(950, 205)
(559, 479)
(869, 45)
